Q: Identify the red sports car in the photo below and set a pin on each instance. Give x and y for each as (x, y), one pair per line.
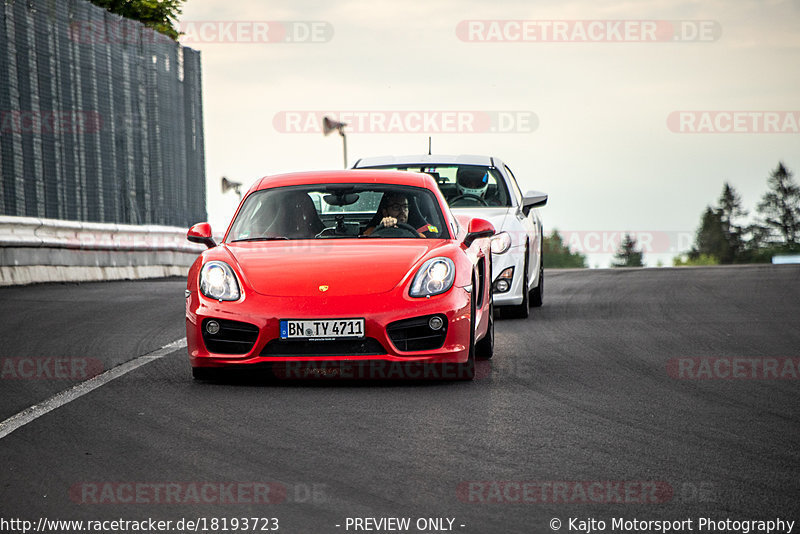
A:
(360, 273)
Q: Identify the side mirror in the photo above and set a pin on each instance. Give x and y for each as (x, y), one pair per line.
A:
(477, 229)
(533, 199)
(201, 233)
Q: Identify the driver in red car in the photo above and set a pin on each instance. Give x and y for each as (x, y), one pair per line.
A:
(393, 210)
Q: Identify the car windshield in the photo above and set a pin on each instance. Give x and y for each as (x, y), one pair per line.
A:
(331, 211)
(465, 186)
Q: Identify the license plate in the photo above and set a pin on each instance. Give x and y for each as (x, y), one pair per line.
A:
(322, 328)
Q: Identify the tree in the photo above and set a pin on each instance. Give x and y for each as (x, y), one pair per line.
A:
(160, 15)
(780, 206)
(730, 209)
(628, 256)
(719, 236)
(720, 239)
(710, 239)
(556, 254)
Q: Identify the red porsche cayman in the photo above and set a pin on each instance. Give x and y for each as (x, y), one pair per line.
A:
(360, 273)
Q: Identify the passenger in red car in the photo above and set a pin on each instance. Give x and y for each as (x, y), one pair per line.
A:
(297, 217)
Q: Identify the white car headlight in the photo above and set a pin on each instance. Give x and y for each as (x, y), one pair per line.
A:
(434, 277)
(501, 243)
(218, 282)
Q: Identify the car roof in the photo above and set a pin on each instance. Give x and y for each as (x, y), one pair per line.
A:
(441, 159)
(360, 176)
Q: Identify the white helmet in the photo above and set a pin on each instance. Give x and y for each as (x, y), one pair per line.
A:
(472, 181)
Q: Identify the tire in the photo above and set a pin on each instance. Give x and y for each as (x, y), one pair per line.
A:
(466, 371)
(537, 293)
(484, 349)
(521, 311)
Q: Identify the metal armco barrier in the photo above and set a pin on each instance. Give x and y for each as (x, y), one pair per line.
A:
(45, 250)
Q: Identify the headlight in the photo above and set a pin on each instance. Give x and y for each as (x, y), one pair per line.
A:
(218, 282)
(501, 243)
(434, 277)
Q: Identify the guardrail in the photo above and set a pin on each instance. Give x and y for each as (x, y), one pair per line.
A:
(36, 250)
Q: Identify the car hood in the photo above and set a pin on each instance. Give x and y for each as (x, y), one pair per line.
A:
(346, 267)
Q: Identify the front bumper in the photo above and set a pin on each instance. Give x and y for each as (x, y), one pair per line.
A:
(265, 313)
(515, 257)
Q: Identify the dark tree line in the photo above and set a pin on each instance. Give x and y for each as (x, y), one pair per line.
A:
(723, 238)
(556, 254)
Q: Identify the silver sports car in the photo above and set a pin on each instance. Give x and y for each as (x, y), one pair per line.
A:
(484, 186)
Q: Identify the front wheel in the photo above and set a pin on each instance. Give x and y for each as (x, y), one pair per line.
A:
(537, 293)
(484, 349)
(466, 371)
(521, 311)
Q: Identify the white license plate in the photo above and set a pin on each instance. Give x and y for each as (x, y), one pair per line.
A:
(321, 328)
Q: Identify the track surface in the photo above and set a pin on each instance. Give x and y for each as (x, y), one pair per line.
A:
(579, 392)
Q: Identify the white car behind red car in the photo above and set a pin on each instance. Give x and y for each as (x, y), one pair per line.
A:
(485, 187)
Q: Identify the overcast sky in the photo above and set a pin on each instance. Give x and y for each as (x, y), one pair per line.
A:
(590, 98)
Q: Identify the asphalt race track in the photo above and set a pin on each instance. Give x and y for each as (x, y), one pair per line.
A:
(646, 394)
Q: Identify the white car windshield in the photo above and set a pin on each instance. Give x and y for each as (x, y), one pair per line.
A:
(465, 186)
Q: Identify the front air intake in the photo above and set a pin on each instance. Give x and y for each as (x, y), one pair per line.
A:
(417, 334)
(229, 337)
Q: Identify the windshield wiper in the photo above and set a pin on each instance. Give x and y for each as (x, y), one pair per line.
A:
(262, 238)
